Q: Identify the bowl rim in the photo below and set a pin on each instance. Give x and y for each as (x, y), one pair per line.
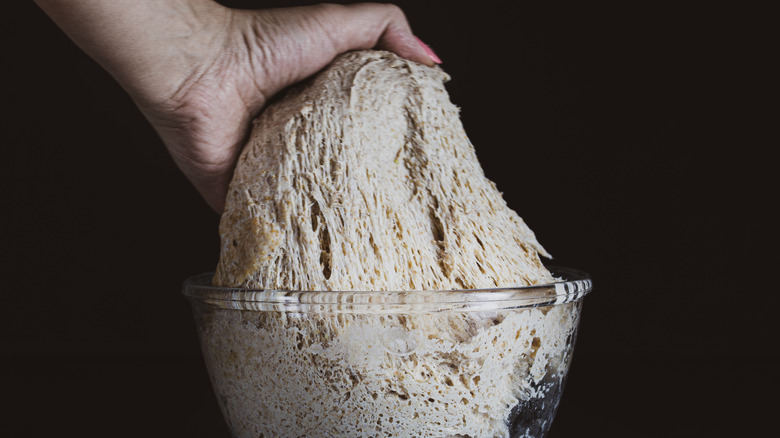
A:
(574, 285)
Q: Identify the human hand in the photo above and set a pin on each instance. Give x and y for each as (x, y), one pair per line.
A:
(201, 72)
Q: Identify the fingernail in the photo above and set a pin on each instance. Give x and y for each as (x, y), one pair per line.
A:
(428, 51)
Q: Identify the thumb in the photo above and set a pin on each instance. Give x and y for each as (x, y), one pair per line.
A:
(266, 51)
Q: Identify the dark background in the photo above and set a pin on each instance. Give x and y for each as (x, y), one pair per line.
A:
(627, 138)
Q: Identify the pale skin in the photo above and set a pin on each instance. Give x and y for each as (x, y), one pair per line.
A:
(200, 72)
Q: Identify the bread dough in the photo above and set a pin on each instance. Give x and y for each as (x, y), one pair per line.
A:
(363, 179)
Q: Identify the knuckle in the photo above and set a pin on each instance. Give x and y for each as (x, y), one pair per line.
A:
(328, 8)
(394, 11)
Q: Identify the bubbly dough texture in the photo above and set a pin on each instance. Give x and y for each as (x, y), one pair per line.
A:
(348, 375)
(364, 179)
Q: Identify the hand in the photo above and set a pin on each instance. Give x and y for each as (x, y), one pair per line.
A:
(201, 72)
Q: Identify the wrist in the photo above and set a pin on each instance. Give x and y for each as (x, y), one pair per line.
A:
(148, 46)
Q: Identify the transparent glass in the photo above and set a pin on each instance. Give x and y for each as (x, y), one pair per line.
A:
(460, 363)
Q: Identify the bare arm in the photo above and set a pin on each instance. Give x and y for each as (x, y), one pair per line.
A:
(200, 72)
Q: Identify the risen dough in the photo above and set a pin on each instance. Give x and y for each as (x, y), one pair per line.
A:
(363, 179)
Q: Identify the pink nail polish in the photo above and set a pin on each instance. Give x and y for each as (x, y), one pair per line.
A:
(428, 51)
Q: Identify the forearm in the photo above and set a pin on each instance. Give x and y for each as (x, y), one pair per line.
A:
(149, 46)
(200, 72)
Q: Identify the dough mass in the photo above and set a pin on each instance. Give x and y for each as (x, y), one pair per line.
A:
(363, 179)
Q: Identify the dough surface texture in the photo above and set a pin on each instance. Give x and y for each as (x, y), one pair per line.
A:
(364, 179)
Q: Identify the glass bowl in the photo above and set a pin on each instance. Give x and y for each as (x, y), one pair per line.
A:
(459, 363)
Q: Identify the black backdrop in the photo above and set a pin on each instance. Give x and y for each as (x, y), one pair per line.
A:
(633, 125)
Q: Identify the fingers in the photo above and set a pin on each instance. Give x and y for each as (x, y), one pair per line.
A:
(374, 25)
(297, 42)
(272, 49)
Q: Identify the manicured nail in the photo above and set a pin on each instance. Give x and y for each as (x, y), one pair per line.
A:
(428, 51)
